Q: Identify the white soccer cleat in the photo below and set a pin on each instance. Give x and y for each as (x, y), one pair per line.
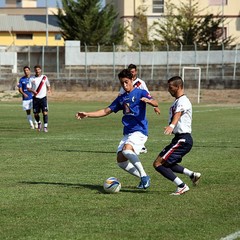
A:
(196, 178)
(143, 150)
(36, 125)
(180, 190)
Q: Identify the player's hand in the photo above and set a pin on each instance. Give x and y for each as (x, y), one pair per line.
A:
(80, 115)
(157, 110)
(168, 130)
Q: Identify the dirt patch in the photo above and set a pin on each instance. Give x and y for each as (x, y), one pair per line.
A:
(207, 96)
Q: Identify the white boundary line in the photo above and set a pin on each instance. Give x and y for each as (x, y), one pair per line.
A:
(232, 236)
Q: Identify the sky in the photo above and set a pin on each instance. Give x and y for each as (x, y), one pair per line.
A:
(42, 3)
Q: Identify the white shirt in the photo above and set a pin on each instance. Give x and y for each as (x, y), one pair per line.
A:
(183, 105)
(138, 83)
(35, 82)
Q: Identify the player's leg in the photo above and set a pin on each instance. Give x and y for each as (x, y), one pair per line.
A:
(26, 104)
(45, 113)
(36, 111)
(126, 165)
(131, 150)
(168, 157)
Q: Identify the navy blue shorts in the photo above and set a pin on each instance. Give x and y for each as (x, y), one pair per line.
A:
(173, 153)
(40, 105)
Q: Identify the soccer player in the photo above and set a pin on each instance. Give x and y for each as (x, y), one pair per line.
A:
(26, 95)
(39, 85)
(135, 125)
(180, 124)
(138, 83)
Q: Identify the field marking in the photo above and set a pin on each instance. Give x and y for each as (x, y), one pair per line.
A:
(232, 236)
(215, 110)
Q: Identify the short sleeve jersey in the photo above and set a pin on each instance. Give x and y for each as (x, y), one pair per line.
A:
(36, 82)
(138, 83)
(23, 82)
(183, 105)
(134, 111)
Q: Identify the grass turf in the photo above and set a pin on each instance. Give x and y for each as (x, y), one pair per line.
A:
(51, 183)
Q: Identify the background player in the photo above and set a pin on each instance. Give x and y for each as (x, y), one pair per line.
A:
(39, 85)
(180, 124)
(133, 104)
(26, 95)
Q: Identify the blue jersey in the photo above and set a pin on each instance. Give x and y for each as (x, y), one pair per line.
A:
(23, 84)
(134, 110)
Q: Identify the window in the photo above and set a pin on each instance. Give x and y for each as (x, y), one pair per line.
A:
(158, 6)
(19, 3)
(218, 2)
(24, 36)
(58, 36)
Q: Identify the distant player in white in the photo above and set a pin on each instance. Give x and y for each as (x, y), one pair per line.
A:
(39, 85)
(26, 95)
(138, 83)
(180, 124)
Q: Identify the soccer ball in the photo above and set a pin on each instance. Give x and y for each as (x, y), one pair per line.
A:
(112, 185)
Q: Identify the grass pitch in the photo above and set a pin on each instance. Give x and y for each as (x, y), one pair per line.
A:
(51, 183)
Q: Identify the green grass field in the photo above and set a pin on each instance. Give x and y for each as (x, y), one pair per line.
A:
(51, 183)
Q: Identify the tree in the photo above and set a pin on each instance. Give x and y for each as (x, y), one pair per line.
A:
(138, 29)
(89, 22)
(184, 25)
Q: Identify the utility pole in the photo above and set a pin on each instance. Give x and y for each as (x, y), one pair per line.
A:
(46, 2)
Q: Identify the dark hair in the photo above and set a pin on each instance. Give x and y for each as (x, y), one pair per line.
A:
(26, 67)
(125, 73)
(37, 66)
(132, 66)
(177, 81)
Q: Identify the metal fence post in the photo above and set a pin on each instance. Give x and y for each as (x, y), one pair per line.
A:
(57, 62)
(85, 60)
(207, 68)
(43, 55)
(180, 59)
(139, 60)
(114, 66)
(235, 63)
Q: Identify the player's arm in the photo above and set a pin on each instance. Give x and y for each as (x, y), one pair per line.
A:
(22, 92)
(151, 101)
(169, 129)
(100, 113)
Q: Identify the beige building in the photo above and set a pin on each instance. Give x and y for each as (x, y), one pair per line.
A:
(230, 9)
(23, 24)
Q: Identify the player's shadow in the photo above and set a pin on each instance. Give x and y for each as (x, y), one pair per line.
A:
(98, 188)
(83, 151)
(95, 187)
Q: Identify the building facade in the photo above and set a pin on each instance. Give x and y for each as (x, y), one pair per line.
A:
(155, 9)
(25, 24)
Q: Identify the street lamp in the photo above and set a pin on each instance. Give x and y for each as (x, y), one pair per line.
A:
(46, 3)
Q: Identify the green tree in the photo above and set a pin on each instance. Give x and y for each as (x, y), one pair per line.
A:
(185, 25)
(139, 30)
(89, 22)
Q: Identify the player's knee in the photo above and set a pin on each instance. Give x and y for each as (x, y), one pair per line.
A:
(158, 162)
(120, 157)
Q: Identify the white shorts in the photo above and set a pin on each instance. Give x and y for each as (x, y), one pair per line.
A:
(136, 139)
(27, 104)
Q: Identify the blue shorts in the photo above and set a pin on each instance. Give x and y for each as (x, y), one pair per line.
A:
(40, 105)
(173, 153)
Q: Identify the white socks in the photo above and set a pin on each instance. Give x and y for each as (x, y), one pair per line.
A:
(29, 118)
(134, 160)
(127, 166)
(187, 172)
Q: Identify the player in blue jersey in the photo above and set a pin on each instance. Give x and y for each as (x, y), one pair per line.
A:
(180, 124)
(138, 83)
(135, 125)
(26, 95)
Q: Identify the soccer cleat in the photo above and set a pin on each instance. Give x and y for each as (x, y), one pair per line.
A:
(140, 186)
(196, 178)
(45, 130)
(39, 126)
(32, 127)
(143, 150)
(36, 125)
(145, 182)
(180, 190)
